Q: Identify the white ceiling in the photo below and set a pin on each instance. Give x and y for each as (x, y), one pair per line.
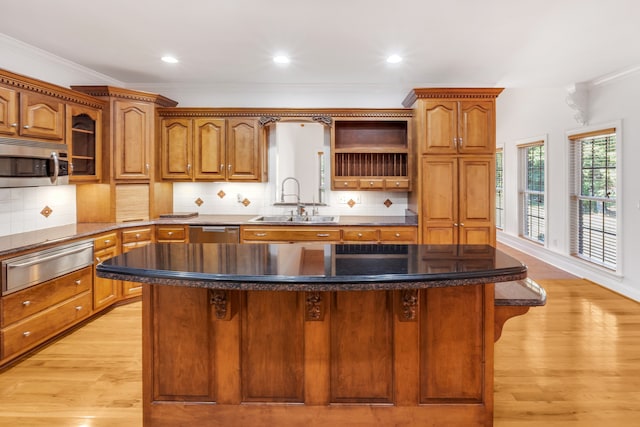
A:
(506, 43)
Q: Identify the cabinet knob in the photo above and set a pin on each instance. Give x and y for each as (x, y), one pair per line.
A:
(189, 167)
(137, 235)
(221, 167)
(26, 303)
(460, 141)
(455, 224)
(359, 234)
(107, 242)
(170, 233)
(260, 234)
(397, 183)
(146, 166)
(77, 282)
(78, 307)
(322, 235)
(98, 260)
(397, 234)
(462, 224)
(26, 127)
(229, 167)
(14, 125)
(346, 183)
(371, 183)
(26, 333)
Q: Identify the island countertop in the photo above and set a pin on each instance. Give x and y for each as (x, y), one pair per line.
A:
(313, 267)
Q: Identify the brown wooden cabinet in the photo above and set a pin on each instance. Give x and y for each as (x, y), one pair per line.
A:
(133, 139)
(329, 234)
(172, 233)
(457, 202)
(84, 139)
(133, 238)
(105, 291)
(455, 131)
(212, 149)
(464, 127)
(371, 154)
(33, 315)
(31, 115)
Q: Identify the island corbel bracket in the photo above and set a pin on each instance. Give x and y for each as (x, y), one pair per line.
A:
(220, 300)
(314, 302)
(409, 305)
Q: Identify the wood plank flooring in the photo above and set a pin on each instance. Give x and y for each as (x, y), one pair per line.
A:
(574, 362)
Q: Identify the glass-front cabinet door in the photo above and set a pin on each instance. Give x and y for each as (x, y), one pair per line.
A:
(84, 132)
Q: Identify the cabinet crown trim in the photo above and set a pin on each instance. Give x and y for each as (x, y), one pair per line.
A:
(135, 95)
(288, 113)
(426, 93)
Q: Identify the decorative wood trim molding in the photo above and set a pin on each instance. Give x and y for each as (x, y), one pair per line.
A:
(266, 120)
(459, 93)
(409, 301)
(314, 307)
(43, 88)
(218, 299)
(322, 115)
(324, 120)
(128, 94)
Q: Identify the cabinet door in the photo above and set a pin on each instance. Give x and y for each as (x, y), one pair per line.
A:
(243, 150)
(41, 116)
(177, 153)
(105, 291)
(133, 131)
(476, 128)
(84, 139)
(440, 199)
(440, 127)
(209, 149)
(8, 111)
(477, 199)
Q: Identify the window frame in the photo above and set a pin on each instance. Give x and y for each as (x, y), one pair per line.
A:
(574, 191)
(500, 207)
(523, 192)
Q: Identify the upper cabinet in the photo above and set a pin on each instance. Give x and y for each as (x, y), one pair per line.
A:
(464, 127)
(31, 115)
(84, 140)
(211, 148)
(132, 139)
(371, 153)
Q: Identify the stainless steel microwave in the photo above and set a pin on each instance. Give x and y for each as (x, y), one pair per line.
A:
(32, 163)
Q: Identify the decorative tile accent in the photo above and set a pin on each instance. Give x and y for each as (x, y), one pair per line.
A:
(246, 202)
(199, 201)
(221, 194)
(388, 203)
(46, 211)
(351, 203)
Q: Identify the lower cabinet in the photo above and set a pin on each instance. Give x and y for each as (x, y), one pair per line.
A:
(33, 315)
(105, 291)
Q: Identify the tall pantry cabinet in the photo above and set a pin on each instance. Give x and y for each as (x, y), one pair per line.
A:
(454, 134)
(130, 187)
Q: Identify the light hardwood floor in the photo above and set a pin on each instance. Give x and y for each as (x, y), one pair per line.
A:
(574, 362)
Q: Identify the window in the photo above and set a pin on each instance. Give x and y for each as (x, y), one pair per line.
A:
(594, 225)
(499, 189)
(532, 219)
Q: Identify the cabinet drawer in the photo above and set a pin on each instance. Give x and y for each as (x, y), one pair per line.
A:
(408, 235)
(105, 241)
(136, 235)
(369, 183)
(129, 246)
(360, 235)
(347, 184)
(399, 183)
(38, 328)
(171, 234)
(300, 234)
(22, 304)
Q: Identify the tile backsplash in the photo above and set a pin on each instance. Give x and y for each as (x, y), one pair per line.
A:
(23, 209)
(227, 198)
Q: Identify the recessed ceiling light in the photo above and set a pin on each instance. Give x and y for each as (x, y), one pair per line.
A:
(169, 59)
(394, 59)
(281, 59)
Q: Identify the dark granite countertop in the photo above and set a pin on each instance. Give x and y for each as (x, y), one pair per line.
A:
(313, 266)
(20, 242)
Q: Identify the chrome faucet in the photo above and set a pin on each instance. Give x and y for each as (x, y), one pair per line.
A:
(300, 208)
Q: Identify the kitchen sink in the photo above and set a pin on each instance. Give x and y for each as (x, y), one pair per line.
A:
(304, 219)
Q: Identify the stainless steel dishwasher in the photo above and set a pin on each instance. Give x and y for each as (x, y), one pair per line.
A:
(214, 234)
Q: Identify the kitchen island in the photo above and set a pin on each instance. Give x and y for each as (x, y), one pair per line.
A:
(318, 335)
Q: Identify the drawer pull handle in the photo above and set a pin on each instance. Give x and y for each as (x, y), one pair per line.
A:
(107, 242)
(322, 235)
(14, 125)
(26, 303)
(26, 126)
(260, 234)
(78, 307)
(26, 333)
(77, 282)
(98, 260)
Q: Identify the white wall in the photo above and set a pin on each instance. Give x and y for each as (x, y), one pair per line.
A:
(528, 113)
